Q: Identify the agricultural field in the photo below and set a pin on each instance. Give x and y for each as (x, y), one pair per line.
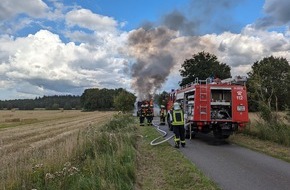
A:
(73, 149)
(34, 139)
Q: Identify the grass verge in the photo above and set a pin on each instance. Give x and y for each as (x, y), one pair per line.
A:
(267, 147)
(114, 156)
(271, 138)
(277, 132)
(103, 158)
(162, 167)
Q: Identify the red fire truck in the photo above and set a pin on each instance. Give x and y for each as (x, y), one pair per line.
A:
(219, 106)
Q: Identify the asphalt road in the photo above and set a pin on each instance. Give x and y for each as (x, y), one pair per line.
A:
(233, 167)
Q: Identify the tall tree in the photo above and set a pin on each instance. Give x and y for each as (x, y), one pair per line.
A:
(98, 99)
(269, 82)
(202, 66)
(161, 99)
(124, 101)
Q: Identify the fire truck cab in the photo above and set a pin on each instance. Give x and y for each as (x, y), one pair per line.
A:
(217, 106)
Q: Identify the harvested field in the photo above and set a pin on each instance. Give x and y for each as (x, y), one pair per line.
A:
(40, 138)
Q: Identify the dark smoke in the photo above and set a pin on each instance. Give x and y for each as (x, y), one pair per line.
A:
(150, 44)
(213, 16)
(178, 22)
(277, 14)
(153, 61)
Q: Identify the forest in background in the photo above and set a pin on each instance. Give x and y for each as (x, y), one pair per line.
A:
(90, 100)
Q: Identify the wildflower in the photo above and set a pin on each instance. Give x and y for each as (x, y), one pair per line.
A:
(58, 174)
(37, 166)
(49, 176)
(67, 164)
(73, 170)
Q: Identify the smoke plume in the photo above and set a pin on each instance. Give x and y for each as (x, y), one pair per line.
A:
(153, 60)
(152, 46)
(277, 14)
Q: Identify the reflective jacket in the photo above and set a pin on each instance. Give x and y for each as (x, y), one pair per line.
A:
(149, 112)
(177, 117)
(143, 112)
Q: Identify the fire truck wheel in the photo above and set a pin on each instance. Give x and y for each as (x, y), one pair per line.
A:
(219, 135)
(226, 136)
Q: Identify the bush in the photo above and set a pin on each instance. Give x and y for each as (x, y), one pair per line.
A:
(265, 112)
(276, 132)
(119, 123)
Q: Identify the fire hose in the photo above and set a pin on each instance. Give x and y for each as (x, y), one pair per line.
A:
(164, 134)
(153, 143)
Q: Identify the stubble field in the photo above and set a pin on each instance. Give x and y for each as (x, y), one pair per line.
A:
(33, 139)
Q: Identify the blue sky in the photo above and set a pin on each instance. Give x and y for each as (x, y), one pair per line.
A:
(50, 47)
(133, 12)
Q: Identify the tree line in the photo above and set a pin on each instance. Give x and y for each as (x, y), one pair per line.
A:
(268, 82)
(91, 100)
(55, 102)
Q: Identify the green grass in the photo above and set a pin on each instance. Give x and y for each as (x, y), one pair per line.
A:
(277, 132)
(117, 156)
(271, 138)
(164, 167)
(267, 147)
(104, 159)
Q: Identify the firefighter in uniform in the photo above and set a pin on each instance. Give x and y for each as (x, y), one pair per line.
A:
(149, 115)
(142, 115)
(177, 121)
(162, 115)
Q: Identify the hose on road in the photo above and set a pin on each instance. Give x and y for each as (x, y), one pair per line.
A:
(153, 143)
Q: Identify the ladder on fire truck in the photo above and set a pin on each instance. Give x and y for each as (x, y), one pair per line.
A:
(203, 98)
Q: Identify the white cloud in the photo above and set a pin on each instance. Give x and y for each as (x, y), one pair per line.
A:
(239, 51)
(287, 33)
(87, 19)
(56, 11)
(153, 48)
(43, 63)
(17, 15)
(11, 8)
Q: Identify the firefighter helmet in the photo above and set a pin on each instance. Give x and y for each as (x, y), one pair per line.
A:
(176, 106)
